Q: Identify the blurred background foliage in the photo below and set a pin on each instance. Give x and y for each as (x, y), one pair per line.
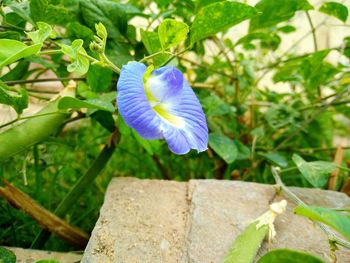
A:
(266, 98)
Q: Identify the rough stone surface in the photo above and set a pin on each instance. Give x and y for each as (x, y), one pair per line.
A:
(32, 255)
(140, 221)
(164, 221)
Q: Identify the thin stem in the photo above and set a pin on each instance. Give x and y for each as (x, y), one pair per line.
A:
(24, 81)
(154, 55)
(174, 56)
(313, 30)
(51, 52)
(109, 63)
(330, 234)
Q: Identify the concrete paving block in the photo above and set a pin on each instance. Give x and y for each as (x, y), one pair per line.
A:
(141, 221)
(196, 222)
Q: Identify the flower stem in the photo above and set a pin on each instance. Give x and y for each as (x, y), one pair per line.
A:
(105, 60)
(332, 237)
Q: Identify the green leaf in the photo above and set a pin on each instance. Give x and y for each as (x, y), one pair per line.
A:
(172, 32)
(18, 72)
(243, 151)
(12, 50)
(105, 119)
(16, 99)
(287, 29)
(75, 30)
(99, 78)
(218, 17)
(335, 9)
(95, 104)
(274, 12)
(316, 173)
(275, 158)
(111, 14)
(38, 9)
(22, 10)
(337, 220)
(289, 256)
(203, 3)
(247, 244)
(10, 35)
(80, 64)
(215, 106)
(7, 256)
(40, 35)
(152, 44)
(223, 146)
(267, 40)
(42, 10)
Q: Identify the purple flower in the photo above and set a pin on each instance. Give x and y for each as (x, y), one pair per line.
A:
(160, 104)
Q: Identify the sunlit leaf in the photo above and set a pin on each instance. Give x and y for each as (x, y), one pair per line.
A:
(12, 50)
(80, 64)
(172, 32)
(218, 17)
(335, 9)
(274, 12)
(337, 220)
(40, 35)
(152, 44)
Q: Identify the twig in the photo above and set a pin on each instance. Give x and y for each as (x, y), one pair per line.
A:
(45, 218)
(313, 30)
(332, 237)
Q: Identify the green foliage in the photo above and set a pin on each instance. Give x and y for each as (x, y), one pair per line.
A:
(40, 35)
(16, 99)
(12, 50)
(335, 9)
(316, 173)
(80, 63)
(218, 17)
(73, 103)
(99, 78)
(223, 146)
(289, 256)
(109, 13)
(338, 220)
(247, 244)
(7, 256)
(172, 33)
(274, 12)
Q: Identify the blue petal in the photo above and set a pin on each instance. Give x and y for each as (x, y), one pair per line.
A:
(133, 104)
(194, 134)
(165, 84)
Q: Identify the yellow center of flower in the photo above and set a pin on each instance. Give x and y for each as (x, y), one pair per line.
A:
(158, 106)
